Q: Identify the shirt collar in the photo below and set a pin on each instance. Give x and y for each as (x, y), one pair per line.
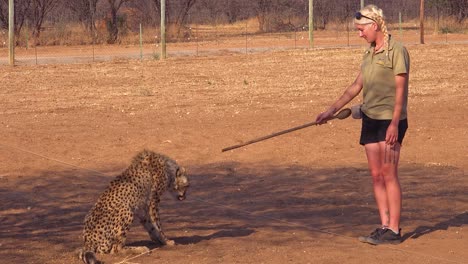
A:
(391, 43)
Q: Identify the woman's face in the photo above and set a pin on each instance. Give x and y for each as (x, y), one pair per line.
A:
(367, 32)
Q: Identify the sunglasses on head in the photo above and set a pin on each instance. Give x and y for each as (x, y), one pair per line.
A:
(359, 15)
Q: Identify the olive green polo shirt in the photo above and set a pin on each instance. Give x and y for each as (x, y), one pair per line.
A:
(378, 71)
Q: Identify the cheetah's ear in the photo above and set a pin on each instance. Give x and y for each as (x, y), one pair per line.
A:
(180, 171)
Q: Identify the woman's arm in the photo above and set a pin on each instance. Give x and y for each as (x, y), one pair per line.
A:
(392, 131)
(352, 91)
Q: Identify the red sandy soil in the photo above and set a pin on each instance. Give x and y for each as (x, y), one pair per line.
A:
(304, 197)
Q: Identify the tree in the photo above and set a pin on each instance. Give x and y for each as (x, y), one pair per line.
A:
(4, 14)
(113, 23)
(38, 13)
(176, 13)
(85, 11)
(233, 10)
(263, 10)
(324, 12)
(459, 9)
(438, 6)
(22, 9)
(214, 9)
(145, 8)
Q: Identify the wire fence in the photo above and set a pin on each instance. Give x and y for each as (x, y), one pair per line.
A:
(63, 44)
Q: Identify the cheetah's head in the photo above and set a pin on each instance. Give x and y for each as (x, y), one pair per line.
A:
(180, 184)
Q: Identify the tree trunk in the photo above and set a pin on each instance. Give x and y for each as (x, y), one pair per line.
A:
(176, 14)
(182, 16)
(113, 22)
(112, 26)
(40, 10)
(263, 11)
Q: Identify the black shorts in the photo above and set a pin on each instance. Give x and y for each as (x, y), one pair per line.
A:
(374, 131)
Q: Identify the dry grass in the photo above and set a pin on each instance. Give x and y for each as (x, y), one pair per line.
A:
(75, 34)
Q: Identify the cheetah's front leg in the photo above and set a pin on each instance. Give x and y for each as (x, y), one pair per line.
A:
(152, 224)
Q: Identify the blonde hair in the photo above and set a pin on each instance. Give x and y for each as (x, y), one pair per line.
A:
(376, 16)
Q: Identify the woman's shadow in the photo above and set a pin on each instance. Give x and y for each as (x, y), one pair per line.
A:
(458, 221)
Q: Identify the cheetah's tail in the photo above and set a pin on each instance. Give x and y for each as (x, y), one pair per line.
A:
(89, 257)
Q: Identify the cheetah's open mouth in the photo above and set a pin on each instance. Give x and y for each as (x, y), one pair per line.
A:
(181, 197)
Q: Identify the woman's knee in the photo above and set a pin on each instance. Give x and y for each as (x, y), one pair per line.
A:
(377, 177)
(389, 173)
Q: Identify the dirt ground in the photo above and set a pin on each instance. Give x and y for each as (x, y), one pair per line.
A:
(304, 197)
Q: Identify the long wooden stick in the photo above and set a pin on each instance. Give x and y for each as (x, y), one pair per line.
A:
(344, 113)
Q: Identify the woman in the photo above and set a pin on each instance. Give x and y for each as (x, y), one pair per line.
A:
(383, 77)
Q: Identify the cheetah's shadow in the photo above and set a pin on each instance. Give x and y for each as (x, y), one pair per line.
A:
(187, 240)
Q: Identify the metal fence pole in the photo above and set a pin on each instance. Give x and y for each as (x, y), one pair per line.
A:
(421, 22)
(163, 29)
(35, 53)
(347, 32)
(311, 23)
(11, 32)
(196, 38)
(27, 35)
(399, 23)
(141, 43)
(246, 38)
(93, 33)
(295, 37)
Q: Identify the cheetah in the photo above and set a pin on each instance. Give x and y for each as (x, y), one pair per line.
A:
(134, 193)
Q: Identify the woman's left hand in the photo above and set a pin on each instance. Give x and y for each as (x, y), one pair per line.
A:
(392, 134)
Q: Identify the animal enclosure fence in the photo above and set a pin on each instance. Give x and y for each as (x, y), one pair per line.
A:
(138, 38)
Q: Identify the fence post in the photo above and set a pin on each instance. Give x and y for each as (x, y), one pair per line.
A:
(163, 29)
(311, 23)
(347, 31)
(93, 33)
(421, 22)
(399, 23)
(27, 35)
(35, 53)
(295, 37)
(141, 43)
(11, 32)
(246, 38)
(196, 38)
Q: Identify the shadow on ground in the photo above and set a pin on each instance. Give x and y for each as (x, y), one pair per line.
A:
(456, 221)
(226, 200)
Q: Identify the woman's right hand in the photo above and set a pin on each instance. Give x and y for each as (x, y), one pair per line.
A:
(323, 117)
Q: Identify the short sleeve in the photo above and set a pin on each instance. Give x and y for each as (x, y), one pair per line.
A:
(401, 60)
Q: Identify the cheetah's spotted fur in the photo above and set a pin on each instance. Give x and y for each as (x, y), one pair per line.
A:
(134, 193)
